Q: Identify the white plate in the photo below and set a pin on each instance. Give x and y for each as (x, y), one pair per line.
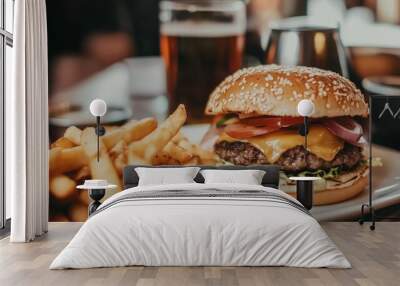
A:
(385, 182)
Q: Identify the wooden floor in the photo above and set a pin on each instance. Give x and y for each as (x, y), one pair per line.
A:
(375, 257)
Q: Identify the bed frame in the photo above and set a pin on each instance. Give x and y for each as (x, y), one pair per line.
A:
(270, 179)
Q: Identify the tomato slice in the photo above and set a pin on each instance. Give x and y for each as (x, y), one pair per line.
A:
(256, 126)
(290, 121)
(242, 131)
(262, 121)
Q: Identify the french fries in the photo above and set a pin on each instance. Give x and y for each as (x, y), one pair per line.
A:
(163, 158)
(118, 149)
(137, 130)
(193, 161)
(73, 157)
(82, 174)
(134, 159)
(73, 134)
(103, 168)
(62, 187)
(204, 157)
(149, 146)
(84, 197)
(78, 212)
(63, 143)
(178, 153)
(112, 137)
(119, 163)
(64, 160)
(131, 131)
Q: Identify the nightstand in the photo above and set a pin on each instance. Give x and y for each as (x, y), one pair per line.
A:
(97, 190)
(304, 190)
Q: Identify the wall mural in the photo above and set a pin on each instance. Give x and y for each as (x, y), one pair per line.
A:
(156, 89)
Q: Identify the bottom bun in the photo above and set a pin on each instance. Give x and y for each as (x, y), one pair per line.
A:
(333, 196)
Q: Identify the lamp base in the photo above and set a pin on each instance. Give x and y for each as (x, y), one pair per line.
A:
(96, 195)
(304, 192)
(371, 215)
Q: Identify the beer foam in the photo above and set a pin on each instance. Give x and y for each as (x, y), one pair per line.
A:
(203, 29)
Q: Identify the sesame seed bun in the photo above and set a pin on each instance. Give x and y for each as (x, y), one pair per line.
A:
(337, 192)
(276, 90)
(334, 196)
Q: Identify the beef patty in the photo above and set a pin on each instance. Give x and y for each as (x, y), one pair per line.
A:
(293, 160)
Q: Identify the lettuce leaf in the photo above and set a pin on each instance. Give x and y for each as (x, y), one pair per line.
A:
(223, 120)
(330, 174)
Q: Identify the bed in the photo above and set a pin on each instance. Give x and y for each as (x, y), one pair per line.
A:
(199, 224)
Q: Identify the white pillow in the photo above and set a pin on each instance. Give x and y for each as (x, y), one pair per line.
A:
(163, 176)
(248, 177)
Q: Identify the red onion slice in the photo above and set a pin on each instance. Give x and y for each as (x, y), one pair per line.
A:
(344, 127)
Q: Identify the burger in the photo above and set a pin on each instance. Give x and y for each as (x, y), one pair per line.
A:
(256, 122)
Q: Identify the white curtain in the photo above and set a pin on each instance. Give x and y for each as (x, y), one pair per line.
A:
(27, 124)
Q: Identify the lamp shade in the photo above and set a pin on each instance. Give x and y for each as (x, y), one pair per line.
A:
(98, 107)
(305, 107)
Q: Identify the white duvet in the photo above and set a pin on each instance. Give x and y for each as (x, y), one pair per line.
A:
(200, 231)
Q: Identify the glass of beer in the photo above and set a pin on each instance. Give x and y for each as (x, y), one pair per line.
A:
(201, 43)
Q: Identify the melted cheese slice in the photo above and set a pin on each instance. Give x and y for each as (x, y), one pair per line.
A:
(321, 142)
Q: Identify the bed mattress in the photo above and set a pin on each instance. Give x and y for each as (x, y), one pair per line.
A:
(201, 225)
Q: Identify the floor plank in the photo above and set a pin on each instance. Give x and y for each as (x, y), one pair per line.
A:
(375, 257)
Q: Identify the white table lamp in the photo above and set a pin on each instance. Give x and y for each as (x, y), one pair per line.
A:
(305, 108)
(98, 108)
